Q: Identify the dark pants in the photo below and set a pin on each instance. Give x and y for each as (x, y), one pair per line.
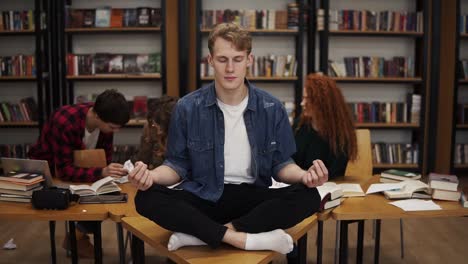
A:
(249, 208)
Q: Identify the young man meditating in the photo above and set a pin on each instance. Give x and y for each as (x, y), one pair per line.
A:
(226, 141)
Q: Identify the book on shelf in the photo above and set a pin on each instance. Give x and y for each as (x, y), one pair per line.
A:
(21, 177)
(89, 18)
(140, 106)
(464, 197)
(143, 15)
(443, 181)
(399, 175)
(103, 17)
(409, 189)
(130, 17)
(446, 195)
(116, 20)
(102, 186)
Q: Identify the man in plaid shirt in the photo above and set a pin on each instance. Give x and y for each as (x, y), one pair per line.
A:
(78, 127)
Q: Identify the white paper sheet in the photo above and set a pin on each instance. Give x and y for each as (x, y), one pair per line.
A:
(416, 205)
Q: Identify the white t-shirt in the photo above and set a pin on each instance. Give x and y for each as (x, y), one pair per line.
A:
(90, 139)
(237, 153)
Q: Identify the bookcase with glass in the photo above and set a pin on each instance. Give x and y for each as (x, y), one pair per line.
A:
(277, 68)
(460, 148)
(114, 44)
(377, 52)
(24, 82)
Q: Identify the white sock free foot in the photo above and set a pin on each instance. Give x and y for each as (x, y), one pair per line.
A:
(276, 240)
(178, 240)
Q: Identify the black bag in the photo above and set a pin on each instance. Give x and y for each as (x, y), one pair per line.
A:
(53, 198)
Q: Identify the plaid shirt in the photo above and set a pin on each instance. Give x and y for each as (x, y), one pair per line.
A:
(63, 134)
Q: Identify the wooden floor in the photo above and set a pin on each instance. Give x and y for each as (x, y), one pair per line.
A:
(441, 240)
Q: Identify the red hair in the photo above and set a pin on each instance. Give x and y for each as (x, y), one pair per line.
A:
(325, 110)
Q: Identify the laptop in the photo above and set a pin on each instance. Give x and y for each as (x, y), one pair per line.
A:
(28, 165)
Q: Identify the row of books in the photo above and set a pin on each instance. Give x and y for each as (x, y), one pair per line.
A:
(460, 154)
(250, 19)
(463, 24)
(16, 20)
(463, 69)
(395, 153)
(18, 65)
(103, 17)
(262, 66)
(387, 112)
(24, 110)
(462, 113)
(138, 106)
(105, 63)
(367, 20)
(372, 67)
(14, 150)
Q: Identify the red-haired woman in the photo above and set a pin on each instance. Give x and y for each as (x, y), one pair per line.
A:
(325, 128)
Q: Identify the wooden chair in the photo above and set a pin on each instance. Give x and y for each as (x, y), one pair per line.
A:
(146, 231)
(90, 158)
(359, 171)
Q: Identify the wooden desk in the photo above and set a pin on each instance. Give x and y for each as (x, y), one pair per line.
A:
(325, 215)
(376, 206)
(77, 212)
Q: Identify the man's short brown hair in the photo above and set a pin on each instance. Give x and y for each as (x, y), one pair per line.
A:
(233, 33)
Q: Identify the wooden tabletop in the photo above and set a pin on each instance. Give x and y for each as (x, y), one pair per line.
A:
(76, 212)
(376, 206)
(158, 238)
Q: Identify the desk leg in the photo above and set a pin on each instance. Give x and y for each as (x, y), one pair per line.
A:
(302, 249)
(360, 241)
(74, 250)
(121, 243)
(319, 241)
(98, 243)
(377, 241)
(53, 252)
(138, 250)
(344, 242)
(337, 241)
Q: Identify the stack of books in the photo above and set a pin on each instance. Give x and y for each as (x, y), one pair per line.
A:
(337, 192)
(394, 176)
(19, 186)
(331, 194)
(444, 187)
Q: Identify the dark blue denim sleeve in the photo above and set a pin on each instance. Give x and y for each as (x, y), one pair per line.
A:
(286, 145)
(177, 156)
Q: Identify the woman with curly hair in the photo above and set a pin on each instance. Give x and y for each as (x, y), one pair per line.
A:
(154, 137)
(325, 129)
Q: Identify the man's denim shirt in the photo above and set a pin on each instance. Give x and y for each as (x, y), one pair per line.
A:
(195, 148)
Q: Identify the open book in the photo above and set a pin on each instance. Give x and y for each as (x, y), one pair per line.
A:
(104, 185)
(410, 189)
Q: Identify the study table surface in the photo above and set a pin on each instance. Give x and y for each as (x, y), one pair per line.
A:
(376, 206)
